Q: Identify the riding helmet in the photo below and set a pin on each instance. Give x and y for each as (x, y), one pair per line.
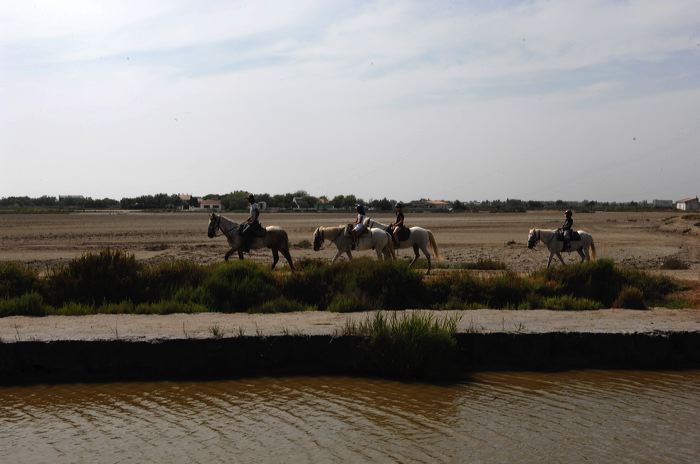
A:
(251, 198)
(567, 212)
(360, 209)
(399, 205)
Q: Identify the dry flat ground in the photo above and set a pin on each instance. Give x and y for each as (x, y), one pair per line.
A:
(642, 240)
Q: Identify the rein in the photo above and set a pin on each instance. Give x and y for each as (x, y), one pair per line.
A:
(219, 227)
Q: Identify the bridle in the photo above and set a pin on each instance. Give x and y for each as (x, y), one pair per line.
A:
(219, 227)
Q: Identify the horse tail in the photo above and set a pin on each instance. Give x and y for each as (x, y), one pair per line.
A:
(592, 249)
(433, 245)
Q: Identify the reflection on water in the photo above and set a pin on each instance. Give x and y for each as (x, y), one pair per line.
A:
(592, 416)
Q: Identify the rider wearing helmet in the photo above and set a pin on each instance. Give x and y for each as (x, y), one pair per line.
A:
(359, 224)
(567, 227)
(251, 226)
(396, 227)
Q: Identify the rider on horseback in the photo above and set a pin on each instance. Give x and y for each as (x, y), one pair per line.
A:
(359, 224)
(396, 227)
(251, 226)
(566, 228)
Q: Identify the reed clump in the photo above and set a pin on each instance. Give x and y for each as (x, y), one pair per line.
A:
(414, 344)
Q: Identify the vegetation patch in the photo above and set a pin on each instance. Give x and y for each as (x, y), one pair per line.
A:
(674, 262)
(113, 282)
(415, 344)
(570, 303)
(630, 298)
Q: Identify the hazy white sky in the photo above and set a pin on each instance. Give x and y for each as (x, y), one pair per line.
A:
(465, 100)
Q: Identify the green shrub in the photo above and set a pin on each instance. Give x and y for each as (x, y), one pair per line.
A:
(654, 287)
(74, 309)
(280, 305)
(382, 284)
(505, 291)
(349, 303)
(109, 276)
(168, 307)
(677, 303)
(238, 286)
(570, 303)
(163, 280)
(602, 281)
(29, 304)
(630, 298)
(16, 279)
(407, 345)
(596, 280)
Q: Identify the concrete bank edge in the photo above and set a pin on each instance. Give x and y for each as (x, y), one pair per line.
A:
(182, 359)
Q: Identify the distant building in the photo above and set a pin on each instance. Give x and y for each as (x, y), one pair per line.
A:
(663, 203)
(186, 200)
(209, 204)
(431, 204)
(688, 204)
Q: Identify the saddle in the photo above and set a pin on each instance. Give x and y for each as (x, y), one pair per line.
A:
(350, 227)
(254, 230)
(404, 233)
(575, 236)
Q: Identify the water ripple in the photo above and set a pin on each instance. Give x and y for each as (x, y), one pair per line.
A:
(496, 417)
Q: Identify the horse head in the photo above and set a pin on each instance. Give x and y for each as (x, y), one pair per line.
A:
(318, 239)
(214, 221)
(532, 238)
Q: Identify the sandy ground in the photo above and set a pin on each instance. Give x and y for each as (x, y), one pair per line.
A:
(206, 325)
(642, 240)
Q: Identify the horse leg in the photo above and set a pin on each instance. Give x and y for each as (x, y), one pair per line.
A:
(551, 255)
(275, 257)
(228, 254)
(288, 257)
(349, 254)
(427, 256)
(581, 254)
(387, 255)
(337, 255)
(240, 255)
(415, 258)
(561, 259)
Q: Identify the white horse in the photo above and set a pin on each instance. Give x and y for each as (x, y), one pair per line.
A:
(375, 239)
(555, 246)
(418, 240)
(275, 239)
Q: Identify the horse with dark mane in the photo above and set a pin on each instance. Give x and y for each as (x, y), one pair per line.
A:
(274, 238)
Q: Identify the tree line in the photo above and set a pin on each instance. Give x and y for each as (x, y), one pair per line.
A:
(237, 200)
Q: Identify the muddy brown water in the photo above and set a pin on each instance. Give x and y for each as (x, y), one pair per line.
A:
(580, 416)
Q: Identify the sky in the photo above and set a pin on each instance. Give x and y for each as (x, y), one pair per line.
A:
(473, 100)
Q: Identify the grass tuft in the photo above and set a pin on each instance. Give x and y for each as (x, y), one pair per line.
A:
(630, 298)
(415, 344)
